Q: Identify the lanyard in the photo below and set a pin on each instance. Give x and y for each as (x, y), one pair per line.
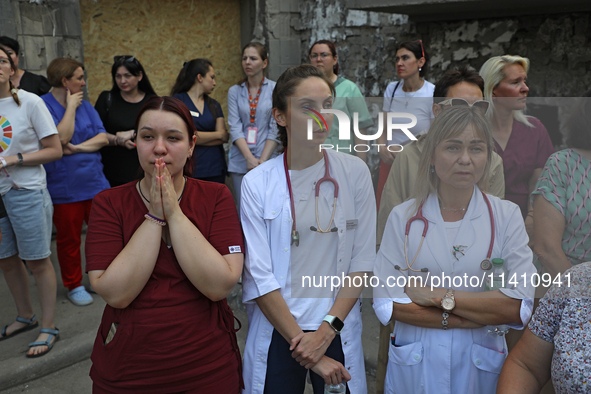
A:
(253, 103)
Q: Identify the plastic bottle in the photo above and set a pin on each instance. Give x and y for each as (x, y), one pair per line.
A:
(335, 388)
(499, 280)
(499, 275)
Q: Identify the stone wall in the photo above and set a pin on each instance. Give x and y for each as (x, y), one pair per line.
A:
(44, 29)
(557, 45)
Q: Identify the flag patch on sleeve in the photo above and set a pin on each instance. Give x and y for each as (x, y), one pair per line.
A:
(235, 249)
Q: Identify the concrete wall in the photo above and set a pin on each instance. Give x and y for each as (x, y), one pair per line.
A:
(45, 31)
(270, 22)
(557, 44)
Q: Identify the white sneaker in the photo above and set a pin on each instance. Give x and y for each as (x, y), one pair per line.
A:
(80, 297)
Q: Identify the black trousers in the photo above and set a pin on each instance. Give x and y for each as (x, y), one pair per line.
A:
(286, 376)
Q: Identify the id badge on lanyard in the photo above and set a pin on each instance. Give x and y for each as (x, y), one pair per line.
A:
(251, 131)
(251, 135)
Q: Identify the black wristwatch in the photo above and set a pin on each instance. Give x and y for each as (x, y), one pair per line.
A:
(336, 323)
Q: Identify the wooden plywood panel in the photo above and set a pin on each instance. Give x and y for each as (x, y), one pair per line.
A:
(162, 34)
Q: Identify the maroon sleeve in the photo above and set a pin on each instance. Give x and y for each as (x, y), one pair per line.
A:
(225, 232)
(104, 238)
(545, 147)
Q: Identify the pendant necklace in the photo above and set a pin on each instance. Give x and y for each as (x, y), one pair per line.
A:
(453, 209)
(408, 98)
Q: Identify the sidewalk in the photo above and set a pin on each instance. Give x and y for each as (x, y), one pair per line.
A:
(78, 327)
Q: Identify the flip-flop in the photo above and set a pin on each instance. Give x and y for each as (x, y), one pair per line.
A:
(31, 324)
(52, 333)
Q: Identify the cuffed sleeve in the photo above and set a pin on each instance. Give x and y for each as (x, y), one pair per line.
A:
(234, 121)
(258, 266)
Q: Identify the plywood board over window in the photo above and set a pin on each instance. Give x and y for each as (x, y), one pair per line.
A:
(162, 34)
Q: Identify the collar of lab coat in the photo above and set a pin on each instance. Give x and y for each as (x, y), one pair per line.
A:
(477, 207)
(438, 243)
(280, 188)
(326, 188)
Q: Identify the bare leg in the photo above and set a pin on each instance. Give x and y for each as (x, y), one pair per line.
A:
(47, 289)
(17, 279)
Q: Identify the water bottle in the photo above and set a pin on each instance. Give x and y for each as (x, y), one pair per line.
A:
(335, 388)
(499, 281)
(499, 275)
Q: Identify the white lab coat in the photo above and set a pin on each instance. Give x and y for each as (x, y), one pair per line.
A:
(433, 360)
(266, 222)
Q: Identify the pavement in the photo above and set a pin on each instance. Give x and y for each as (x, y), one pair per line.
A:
(65, 369)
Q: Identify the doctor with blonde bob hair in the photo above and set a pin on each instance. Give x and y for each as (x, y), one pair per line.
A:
(449, 335)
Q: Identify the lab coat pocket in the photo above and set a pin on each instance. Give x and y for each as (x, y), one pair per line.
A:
(405, 369)
(272, 210)
(486, 359)
(410, 354)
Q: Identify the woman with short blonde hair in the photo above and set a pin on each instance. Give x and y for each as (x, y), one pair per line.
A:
(451, 229)
(522, 141)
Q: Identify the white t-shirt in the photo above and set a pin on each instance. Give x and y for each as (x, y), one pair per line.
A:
(22, 128)
(419, 103)
(317, 254)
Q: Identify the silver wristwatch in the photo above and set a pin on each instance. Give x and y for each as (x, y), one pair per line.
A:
(448, 303)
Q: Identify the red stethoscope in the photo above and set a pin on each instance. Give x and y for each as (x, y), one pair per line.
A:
(295, 235)
(485, 265)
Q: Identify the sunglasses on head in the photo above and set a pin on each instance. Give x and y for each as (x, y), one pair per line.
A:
(125, 58)
(460, 102)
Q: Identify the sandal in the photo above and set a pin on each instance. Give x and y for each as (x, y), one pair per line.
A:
(31, 323)
(53, 333)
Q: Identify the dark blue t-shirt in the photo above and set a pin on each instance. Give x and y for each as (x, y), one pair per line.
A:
(208, 161)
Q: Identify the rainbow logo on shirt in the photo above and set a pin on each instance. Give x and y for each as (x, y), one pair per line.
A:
(6, 134)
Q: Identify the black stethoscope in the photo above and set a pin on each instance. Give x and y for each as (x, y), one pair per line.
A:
(485, 265)
(295, 235)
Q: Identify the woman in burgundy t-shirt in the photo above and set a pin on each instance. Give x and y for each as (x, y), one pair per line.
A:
(522, 141)
(164, 252)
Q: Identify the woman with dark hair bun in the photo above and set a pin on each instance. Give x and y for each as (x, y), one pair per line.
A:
(291, 234)
(252, 127)
(348, 97)
(193, 85)
(164, 252)
(411, 66)
(118, 109)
